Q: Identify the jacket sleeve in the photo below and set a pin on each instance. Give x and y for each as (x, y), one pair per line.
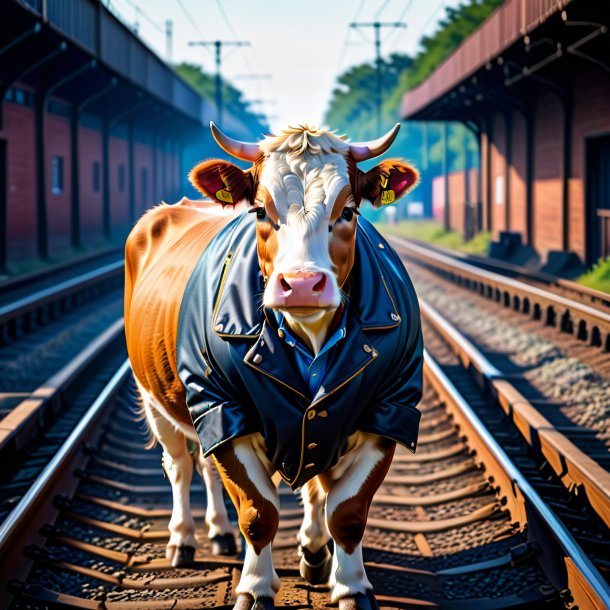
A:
(218, 411)
(393, 411)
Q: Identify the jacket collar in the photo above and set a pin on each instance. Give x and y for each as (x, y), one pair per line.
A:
(238, 315)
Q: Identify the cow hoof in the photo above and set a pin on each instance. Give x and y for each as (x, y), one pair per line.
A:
(181, 556)
(223, 544)
(245, 601)
(315, 567)
(359, 602)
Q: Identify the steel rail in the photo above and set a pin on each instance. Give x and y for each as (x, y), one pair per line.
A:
(61, 290)
(510, 269)
(33, 508)
(586, 584)
(571, 464)
(502, 286)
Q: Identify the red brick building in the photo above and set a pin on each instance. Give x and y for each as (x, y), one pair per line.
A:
(94, 129)
(533, 85)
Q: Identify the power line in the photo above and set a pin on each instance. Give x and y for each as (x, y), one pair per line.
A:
(381, 9)
(402, 15)
(438, 8)
(190, 19)
(347, 35)
(218, 45)
(377, 25)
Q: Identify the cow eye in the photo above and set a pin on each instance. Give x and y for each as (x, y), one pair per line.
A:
(347, 214)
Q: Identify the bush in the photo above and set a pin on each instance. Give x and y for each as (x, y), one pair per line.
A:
(598, 277)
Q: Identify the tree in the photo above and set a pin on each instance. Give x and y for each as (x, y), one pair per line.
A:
(233, 98)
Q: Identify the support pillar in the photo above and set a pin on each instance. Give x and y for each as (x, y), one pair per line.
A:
(106, 215)
(446, 211)
(75, 239)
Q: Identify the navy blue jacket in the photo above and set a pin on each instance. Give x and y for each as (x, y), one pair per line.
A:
(240, 377)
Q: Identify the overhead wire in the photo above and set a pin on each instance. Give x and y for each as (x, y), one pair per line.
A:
(347, 37)
(394, 32)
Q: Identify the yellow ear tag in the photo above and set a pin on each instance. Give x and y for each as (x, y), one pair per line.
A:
(223, 195)
(387, 197)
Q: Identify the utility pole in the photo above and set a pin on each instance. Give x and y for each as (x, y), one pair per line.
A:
(169, 41)
(218, 45)
(377, 25)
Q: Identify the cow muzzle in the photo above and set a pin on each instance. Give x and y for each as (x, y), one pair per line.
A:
(302, 289)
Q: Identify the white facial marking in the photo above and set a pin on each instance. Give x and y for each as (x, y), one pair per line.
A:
(304, 172)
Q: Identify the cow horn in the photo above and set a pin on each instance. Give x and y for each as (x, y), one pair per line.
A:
(246, 151)
(361, 151)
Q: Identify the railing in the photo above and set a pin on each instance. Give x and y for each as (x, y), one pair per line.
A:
(604, 227)
(89, 24)
(508, 23)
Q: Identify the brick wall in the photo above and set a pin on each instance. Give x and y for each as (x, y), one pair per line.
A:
(18, 132)
(547, 188)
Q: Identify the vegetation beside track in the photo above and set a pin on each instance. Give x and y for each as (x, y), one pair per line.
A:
(598, 277)
(432, 232)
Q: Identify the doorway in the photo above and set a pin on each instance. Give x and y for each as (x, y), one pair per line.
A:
(597, 193)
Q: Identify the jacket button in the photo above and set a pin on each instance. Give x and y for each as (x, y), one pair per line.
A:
(218, 327)
(312, 446)
(381, 246)
(257, 359)
(311, 414)
(395, 317)
(367, 348)
(310, 465)
(281, 334)
(412, 444)
(323, 414)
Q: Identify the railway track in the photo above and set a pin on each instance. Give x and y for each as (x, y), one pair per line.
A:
(461, 524)
(586, 322)
(558, 285)
(457, 525)
(69, 342)
(27, 306)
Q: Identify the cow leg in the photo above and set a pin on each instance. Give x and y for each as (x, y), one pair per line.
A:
(350, 486)
(316, 557)
(246, 473)
(220, 530)
(178, 465)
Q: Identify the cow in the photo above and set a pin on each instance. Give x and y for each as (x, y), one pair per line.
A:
(275, 327)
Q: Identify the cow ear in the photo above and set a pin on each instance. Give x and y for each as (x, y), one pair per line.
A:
(387, 182)
(222, 181)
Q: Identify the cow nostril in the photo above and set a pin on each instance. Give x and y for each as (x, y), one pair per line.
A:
(284, 284)
(319, 287)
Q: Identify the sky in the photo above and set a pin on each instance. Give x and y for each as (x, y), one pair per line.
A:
(302, 45)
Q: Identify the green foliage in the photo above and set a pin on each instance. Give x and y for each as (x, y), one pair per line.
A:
(233, 98)
(598, 277)
(431, 231)
(352, 108)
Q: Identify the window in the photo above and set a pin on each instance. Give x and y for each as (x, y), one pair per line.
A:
(57, 175)
(96, 176)
(121, 178)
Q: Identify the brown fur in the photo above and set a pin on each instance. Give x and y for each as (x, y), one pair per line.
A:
(160, 255)
(258, 518)
(348, 521)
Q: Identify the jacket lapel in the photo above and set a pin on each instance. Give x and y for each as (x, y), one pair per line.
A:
(270, 357)
(351, 357)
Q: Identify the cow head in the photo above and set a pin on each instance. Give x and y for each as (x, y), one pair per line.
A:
(305, 188)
